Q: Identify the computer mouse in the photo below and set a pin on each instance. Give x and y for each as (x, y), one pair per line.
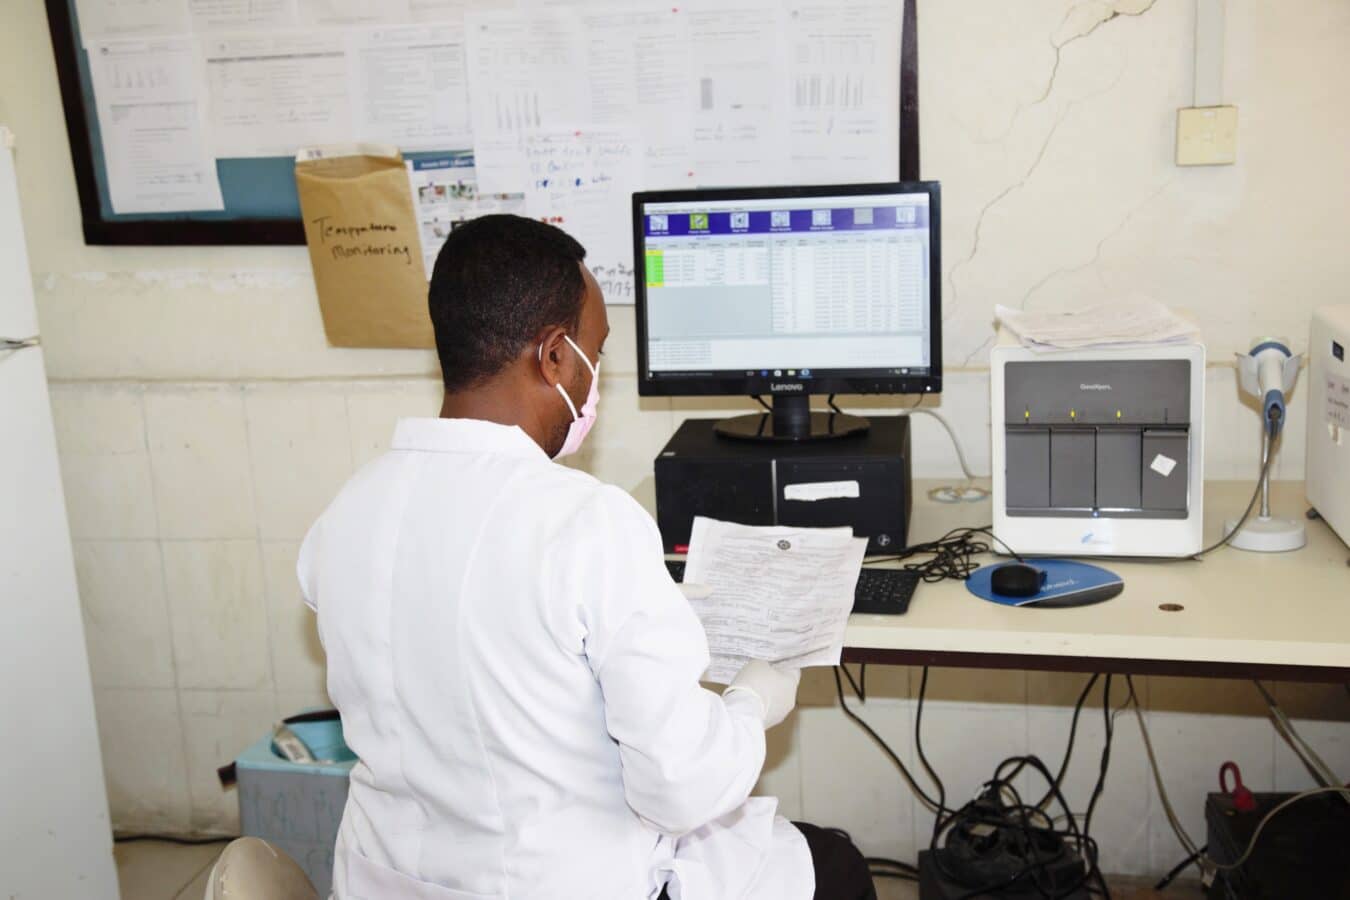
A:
(1016, 580)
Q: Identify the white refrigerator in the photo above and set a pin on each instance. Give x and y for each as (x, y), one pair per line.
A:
(55, 838)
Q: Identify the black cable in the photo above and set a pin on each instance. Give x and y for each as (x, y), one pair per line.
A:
(1109, 724)
(1020, 815)
(953, 554)
(173, 839)
(1251, 504)
(860, 686)
(1073, 732)
(899, 764)
(923, 757)
(829, 401)
(884, 873)
(1084, 843)
(887, 861)
(760, 401)
(1176, 870)
(1068, 749)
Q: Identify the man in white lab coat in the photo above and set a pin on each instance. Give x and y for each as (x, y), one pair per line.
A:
(515, 668)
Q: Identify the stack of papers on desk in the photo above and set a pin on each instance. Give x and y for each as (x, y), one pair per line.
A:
(780, 594)
(1136, 321)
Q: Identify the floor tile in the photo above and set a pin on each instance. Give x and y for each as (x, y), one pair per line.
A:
(196, 889)
(896, 889)
(154, 870)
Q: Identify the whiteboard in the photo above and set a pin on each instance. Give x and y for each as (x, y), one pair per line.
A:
(217, 95)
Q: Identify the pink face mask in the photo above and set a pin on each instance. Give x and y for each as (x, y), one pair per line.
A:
(581, 421)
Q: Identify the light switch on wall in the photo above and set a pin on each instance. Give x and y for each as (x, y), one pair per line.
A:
(1207, 136)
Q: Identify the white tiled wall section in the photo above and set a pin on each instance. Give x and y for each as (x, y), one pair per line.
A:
(188, 503)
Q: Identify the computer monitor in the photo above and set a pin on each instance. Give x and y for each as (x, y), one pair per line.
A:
(789, 292)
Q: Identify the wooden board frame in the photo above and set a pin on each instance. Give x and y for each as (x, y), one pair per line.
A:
(190, 231)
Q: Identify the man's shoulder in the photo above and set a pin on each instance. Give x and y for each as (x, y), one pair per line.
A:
(585, 493)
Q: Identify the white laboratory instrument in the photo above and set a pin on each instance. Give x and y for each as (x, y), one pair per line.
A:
(1098, 451)
(1328, 468)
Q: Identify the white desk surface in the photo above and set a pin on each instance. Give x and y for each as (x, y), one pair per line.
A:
(1277, 614)
(1241, 609)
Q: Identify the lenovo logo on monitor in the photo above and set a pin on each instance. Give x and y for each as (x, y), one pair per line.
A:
(780, 387)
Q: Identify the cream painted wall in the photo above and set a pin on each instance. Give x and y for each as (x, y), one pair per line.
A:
(203, 421)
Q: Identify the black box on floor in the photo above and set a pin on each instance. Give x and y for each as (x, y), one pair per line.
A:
(862, 481)
(933, 885)
(1301, 851)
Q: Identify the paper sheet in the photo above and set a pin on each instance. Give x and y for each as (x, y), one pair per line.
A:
(410, 86)
(845, 91)
(526, 73)
(145, 93)
(779, 594)
(451, 10)
(102, 19)
(1133, 321)
(328, 13)
(582, 180)
(271, 95)
(638, 74)
(740, 133)
(241, 15)
(445, 196)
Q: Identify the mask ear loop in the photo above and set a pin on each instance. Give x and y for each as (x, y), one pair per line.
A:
(584, 358)
(571, 407)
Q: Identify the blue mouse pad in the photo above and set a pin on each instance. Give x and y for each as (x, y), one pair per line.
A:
(1066, 584)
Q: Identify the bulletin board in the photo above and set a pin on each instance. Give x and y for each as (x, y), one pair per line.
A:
(171, 145)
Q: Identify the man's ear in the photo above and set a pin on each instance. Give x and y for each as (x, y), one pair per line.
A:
(551, 352)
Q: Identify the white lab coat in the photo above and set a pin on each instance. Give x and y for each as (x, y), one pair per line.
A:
(519, 677)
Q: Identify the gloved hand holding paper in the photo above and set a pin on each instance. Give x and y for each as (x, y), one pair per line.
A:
(780, 594)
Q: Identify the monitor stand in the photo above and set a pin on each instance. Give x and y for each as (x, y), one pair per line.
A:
(791, 420)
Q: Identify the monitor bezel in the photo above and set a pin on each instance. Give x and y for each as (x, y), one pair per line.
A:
(744, 385)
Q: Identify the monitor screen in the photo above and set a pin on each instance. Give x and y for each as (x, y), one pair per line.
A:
(808, 290)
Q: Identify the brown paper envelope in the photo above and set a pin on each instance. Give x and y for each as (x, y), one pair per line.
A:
(365, 250)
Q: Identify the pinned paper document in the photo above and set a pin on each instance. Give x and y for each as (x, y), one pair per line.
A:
(779, 593)
(154, 143)
(1128, 322)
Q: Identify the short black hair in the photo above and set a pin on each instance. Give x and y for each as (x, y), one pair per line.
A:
(499, 280)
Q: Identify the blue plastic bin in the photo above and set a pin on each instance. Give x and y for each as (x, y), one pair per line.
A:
(296, 806)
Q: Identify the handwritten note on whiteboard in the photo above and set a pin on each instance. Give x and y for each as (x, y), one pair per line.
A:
(526, 74)
(582, 180)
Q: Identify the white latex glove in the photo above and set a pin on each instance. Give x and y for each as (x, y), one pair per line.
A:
(776, 688)
(695, 591)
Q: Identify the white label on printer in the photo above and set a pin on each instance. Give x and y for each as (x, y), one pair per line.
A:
(1163, 465)
(1338, 401)
(822, 490)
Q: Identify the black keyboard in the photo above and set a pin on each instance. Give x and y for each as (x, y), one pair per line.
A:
(879, 591)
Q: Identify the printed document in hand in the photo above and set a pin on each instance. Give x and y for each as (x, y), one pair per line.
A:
(779, 593)
(1138, 320)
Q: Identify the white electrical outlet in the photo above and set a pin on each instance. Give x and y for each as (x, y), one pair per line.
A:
(1207, 136)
